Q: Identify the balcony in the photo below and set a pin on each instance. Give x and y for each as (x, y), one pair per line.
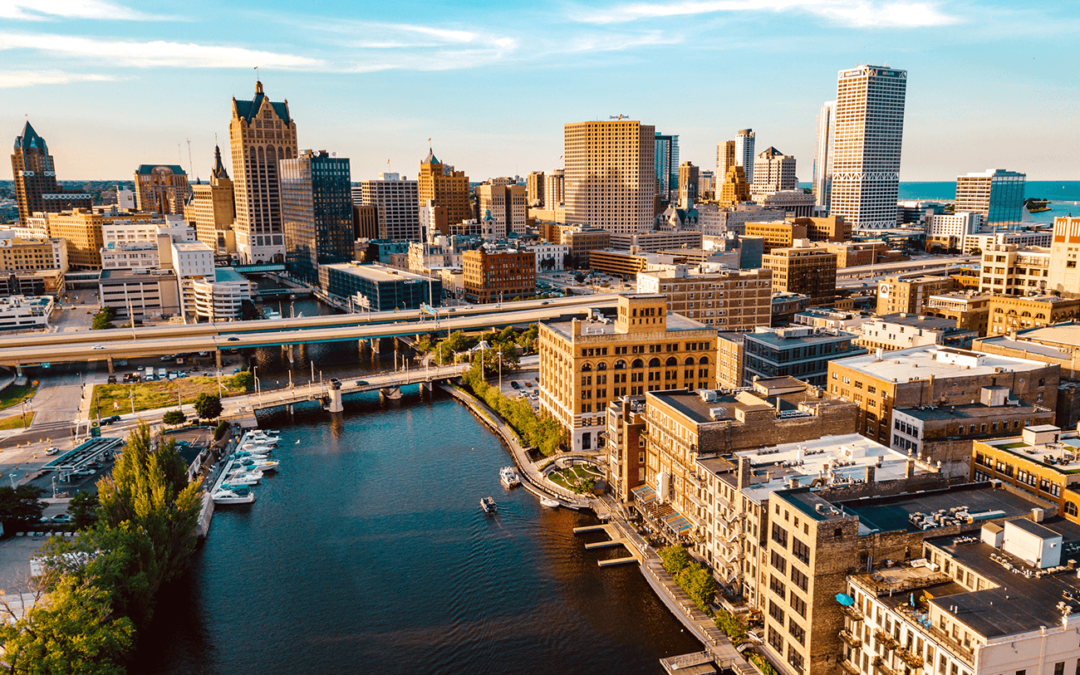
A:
(886, 639)
(909, 657)
(879, 663)
(854, 613)
(849, 667)
(848, 637)
(692, 496)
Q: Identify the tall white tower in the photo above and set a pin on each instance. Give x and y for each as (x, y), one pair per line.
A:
(744, 153)
(869, 132)
(823, 154)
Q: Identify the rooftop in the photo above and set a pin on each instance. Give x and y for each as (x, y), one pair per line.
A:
(972, 411)
(145, 169)
(376, 273)
(918, 321)
(137, 275)
(228, 275)
(919, 363)
(1060, 452)
(606, 326)
(1066, 334)
(1033, 348)
(798, 335)
(192, 247)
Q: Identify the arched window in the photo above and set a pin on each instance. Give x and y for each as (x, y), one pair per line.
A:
(672, 361)
(1040, 315)
(998, 310)
(586, 368)
(1025, 313)
(637, 364)
(1070, 508)
(654, 362)
(704, 360)
(689, 361)
(620, 365)
(601, 366)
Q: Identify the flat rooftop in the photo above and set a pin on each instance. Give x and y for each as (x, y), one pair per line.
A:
(919, 512)
(675, 322)
(919, 363)
(918, 321)
(1062, 456)
(972, 411)
(376, 273)
(228, 275)
(192, 246)
(1034, 348)
(799, 335)
(132, 275)
(1065, 334)
(784, 395)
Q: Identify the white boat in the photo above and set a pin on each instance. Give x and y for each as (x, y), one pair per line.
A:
(224, 496)
(488, 505)
(253, 464)
(243, 476)
(509, 477)
(258, 443)
(254, 454)
(550, 503)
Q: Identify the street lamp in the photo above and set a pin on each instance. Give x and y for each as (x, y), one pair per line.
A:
(11, 476)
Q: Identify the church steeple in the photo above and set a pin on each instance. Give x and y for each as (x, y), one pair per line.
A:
(219, 171)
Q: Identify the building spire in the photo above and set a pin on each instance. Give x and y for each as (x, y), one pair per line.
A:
(219, 168)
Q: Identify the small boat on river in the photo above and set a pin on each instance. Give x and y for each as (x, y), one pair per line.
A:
(509, 477)
(550, 503)
(488, 505)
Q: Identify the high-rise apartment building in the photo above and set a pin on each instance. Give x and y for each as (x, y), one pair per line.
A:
(773, 172)
(507, 204)
(823, 154)
(316, 212)
(261, 133)
(398, 206)
(744, 152)
(807, 271)
(997, 194)
(610, 178)
(725, 158)
(161, 188)
(212, 210)
(689, 181)
(439, 183)
(666, 165)
(1065, 257)
(36, 190)
(534, 186)
(869, 131)
(952, 230)
(554, 189)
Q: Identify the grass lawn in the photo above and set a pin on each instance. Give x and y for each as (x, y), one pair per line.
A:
(150, 395)
(566, 478)
(16, 422)
(1013, 446)
(16, 394)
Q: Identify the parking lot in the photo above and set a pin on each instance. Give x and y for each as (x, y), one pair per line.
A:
(526, 381)
(567, 281)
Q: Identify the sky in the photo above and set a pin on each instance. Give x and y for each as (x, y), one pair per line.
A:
(114, 84)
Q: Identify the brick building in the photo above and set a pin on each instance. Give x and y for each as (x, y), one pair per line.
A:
(495, 275)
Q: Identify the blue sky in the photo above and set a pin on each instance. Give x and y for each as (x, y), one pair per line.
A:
(113, 84)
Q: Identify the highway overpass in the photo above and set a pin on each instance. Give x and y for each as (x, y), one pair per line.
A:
(29, 350)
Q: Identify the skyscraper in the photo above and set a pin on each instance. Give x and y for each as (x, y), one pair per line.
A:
(161, 188)
(869, 131)
(996, 193)
(773, 172)
(744, 152)
(398, 205)
(35, 179)
(610, 180)
(262, 133)
(823, 154)
(535, 188)
(689, 179)
(725, 159)
(212, 210)
(666, 164)
(316, 212)
(439, 182)
(734, 190)
(507, 204)
(554, 189)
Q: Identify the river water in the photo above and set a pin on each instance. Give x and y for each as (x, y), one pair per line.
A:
(368, 553)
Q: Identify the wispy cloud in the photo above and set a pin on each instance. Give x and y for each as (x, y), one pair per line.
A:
(156, 52)
(11, 79)
(853, 13)
(46, 10)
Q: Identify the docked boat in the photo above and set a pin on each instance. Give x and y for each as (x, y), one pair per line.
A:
(253, 464)
(243, 476)
(550, 503)
(488, 505)
(509, 477)
(226, 496)
(253, 454)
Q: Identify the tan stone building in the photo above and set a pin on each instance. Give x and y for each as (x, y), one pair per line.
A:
(776, 235)
(729, 361)
(261, 134)
(497, 275)
(1008, 314)
(1065, 257)
(439, 183)
(808, 271)
(586, 364)
(1008, 269)
(897, 295)
(1038, 460)
(734, 189)
(507, 204)
(609, 178)
(924, 376)
(30, 255)
(161, 188)
(82, 231)
(731, 300)
(970, 310)
(534, 188)
(826, 228)
(212, 210)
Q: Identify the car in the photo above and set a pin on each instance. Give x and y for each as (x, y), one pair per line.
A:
(233, 339)
(361, 383)
(52, 451)
(83, 472)
(528, 384)
(548, 302)
(515, 385)
(141, 368)
(62, 518)
(99, 346)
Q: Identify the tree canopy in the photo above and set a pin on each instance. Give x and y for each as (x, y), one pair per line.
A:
(20, 507)
(208, 406)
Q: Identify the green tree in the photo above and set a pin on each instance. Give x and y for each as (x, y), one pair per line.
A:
(83, 509)
(221, 430)
(699, 584)
(174, 417)
(675, 559)
(208, 406)
(103, 319)
(242, 380)
(20, 507)
(72, 630)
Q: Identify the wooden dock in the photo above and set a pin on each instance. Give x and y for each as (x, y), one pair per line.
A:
(616, 540)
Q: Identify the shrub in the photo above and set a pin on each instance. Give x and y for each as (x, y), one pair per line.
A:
(732, 627)
(174, 417)
(675, 559)
(221, 430)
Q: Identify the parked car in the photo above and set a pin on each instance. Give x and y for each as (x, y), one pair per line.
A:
(112, 379)
(515, 385)
(62, 518)
(83, 472)
(53, 451)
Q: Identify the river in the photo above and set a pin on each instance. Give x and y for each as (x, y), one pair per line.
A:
(368, 553)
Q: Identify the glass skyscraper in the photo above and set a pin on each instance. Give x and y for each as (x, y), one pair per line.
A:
(316, 210)
(997, 194)
(667, 166)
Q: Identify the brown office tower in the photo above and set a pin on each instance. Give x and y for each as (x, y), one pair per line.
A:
(161, 188)
(734, 190)
(446, 187)
(610, 179)
(809, 271)
(212, 210)
(261, 133)
(35, 179)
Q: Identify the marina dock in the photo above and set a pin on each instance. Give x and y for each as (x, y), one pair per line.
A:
(616, 539)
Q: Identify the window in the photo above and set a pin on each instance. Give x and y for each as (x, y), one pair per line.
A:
(777, 586)
(779, 535)
(1070, 510)
(799, 634)
(776, 612)
(800, 550)
(799, 578)
(799, 605)
(777, 560)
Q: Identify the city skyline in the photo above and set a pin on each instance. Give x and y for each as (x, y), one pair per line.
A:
(360, 82)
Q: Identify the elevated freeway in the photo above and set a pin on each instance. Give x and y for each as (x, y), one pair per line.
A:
(31, 350)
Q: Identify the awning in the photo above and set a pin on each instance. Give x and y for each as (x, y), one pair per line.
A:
(644, 494)
(677, 523)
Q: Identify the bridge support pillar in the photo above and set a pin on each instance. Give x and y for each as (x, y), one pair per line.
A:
(288, 349)
(375, 345)
(392, 393)
(20, 378)
(217, 357)
(424, 385)
(335, 405)
(109, 360)
(290, 410)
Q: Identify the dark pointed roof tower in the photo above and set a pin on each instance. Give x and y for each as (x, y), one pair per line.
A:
(30, 139)
(219, 168)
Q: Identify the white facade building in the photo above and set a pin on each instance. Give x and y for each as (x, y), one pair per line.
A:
(960, 225)
(130, 256)
(869, 131)
(773, 172)
(398, 204)
(744, 153)
(220, 296)
(549, 257)
(1020, 238)
(19, 312)
(826, 129)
